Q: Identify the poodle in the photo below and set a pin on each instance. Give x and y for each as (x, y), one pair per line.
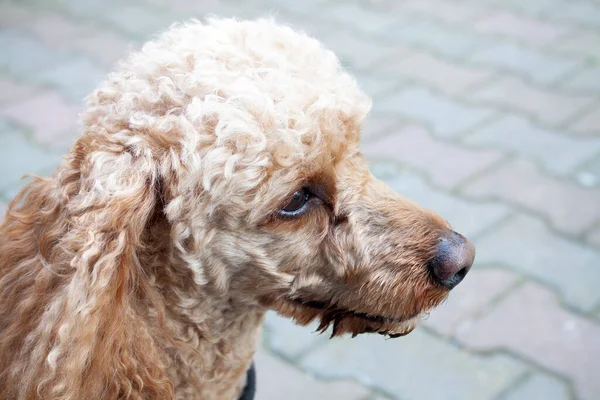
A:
(217, 175)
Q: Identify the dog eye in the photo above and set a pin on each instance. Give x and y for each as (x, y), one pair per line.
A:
(297, 203)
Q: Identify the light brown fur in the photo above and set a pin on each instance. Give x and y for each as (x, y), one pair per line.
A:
(143, 267)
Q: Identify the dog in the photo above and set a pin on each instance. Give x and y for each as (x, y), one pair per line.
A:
(217, 175)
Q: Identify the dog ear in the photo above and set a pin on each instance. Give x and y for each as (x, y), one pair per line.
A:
(102, 341)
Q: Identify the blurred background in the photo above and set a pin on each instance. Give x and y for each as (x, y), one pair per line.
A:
(487, 111)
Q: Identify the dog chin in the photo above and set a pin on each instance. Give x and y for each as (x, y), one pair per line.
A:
(344, 321)
(355, 325)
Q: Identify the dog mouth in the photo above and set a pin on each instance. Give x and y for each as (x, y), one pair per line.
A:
(354, 322)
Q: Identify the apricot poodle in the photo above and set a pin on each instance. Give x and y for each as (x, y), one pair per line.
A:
(217, 175)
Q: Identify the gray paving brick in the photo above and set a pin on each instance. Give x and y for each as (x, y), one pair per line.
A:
(276, 379)
(588, 124)
(54, 119)
(550, 107)
(372, 21)
(19, 157)
(578, 13)
(147, 21)
(357, 52)
(467, 217)
(103, 47)
(594, 237)
(587, 81)
(76, 79)
(289, 339)
(445, 76)
(310, 8)
(532, 8)
(539, 67)
(471, 298)
(527, 246)
(90, 9)
(540, 386)
(520, 28)
(531, 323)
(418, 366)
(24, 56)
(441, 10)
(376, 125)
(56, 30)
(12, 91)
(585, 44)
(557, 153)
(445, 116)
(377, 86)
(452, 43)
(447, 165)
(569, 207)
(14, 15)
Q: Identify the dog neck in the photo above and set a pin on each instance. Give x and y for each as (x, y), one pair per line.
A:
(216, 333)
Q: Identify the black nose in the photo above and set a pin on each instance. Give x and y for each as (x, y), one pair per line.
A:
(453, 260)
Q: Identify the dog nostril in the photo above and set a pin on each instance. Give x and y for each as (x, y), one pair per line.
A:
(453, 260)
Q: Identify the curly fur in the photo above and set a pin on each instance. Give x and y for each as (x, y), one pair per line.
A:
(143, 267)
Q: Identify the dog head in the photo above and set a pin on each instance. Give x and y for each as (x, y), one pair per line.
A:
(248, 135)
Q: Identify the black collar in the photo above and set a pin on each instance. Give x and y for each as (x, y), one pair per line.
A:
(250, 389)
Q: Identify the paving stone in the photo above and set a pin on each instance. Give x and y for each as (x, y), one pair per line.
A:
(104, 47)
(443, 11)
(12, 91)
(76, 79)
(520, 28)
(588, 81)
(276, 379)
(578, 13)
(527, 246)
(23, 55)
(442, 75)
(589, 123)
(594, 237)
(358, 52)
(532, 323)
(308, 8)
(195, 9)
(376, 125)
(147, 21)
(445, 164)
(377, 86)
(549, 107)
(532, 8)
(405, 367)
(54, 117)
(386, 170)
(467, 217)
(14, 15)
(57, 30)
(445, 116)
(557, 152)
(583, 43)
(449, 42)
(289, 339)
(570, 208)
(540, 387)
(539, 67)
(19, 157)
(372, 21)
(472, 297)
(89, 9)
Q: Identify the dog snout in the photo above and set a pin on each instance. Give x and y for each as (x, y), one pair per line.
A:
(454, 258)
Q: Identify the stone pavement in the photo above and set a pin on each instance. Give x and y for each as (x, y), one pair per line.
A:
(487, 111)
